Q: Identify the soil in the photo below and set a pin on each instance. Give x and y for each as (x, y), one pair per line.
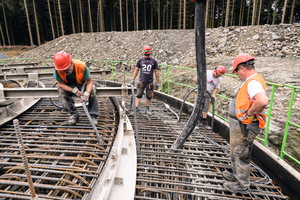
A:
(12, 53)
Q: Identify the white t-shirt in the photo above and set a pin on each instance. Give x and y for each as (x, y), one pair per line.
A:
(212, 82)
(253, 88)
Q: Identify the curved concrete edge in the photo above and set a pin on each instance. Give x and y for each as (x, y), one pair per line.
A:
(276, 166)
(118, 177)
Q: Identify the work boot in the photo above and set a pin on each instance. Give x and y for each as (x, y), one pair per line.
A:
(73, 120)
(147, 111)
(235, 187)
(94, 119)
(205, 125)
(228, 176)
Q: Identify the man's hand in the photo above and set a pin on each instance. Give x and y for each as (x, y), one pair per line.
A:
(251, 118)
(132, 82)
(213, 100)
(77, 92)
(156, 84)
(85, 97)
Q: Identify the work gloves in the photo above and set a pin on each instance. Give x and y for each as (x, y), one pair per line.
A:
(251, 118)
(156, 85)
(212, 100)
(132, 82)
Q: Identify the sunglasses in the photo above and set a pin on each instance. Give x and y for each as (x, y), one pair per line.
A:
(146, 51)
(146, 54)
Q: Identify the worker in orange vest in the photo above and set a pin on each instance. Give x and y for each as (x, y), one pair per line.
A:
(70, 76)
(246, 119)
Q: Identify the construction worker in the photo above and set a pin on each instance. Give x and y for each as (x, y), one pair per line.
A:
(147, 66)
(70, 76)
(214, 78)
(246, 118)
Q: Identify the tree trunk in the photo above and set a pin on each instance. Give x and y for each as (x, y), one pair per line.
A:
(232, 14)
(145, 16)
(248, 13)
(218, 22)
(227, 13)
(100, 16)
(179, 15)
(81, 19)
(158, 24)
(284, 9)
(51, 22)
(269, 11)
(206, 14)
(253, 13)
(134, 23)
(121, 17)
(5, 23)
(184, 13)
(61, 21)
(36, 24)
(28, 23)
(73, 27)
(274, 12)
(213, 14)
(151, 15)
(90, 17)
(258, 18)
(2, 35)
(127, 28)
(222, 13)
(171, 17)
(292, 12)
(137, 15)
(240, 17)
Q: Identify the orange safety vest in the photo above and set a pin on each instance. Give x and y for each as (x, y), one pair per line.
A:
(79, 71)
(242, 103)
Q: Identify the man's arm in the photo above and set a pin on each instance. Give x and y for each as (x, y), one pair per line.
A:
(260, 102)
(156, 75)
(135, 72)
(195, 80)
(215, 91)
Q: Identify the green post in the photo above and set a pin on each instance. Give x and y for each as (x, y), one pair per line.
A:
(168, 79)
(287, 123)
(161, 78)
(45, 60)
(112, 71)
(106, 69)
(269, 116)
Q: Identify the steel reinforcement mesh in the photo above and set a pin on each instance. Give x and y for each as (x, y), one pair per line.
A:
(195, 171)
(64, 161)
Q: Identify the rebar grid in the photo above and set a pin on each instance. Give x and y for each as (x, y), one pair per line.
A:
(64, 161)
(194, 172)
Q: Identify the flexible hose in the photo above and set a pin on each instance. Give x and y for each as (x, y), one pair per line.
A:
(213, 113)
(89, 116)
(181, 108)
(52, 100)
(135, 121)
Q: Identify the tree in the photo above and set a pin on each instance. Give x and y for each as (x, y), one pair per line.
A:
(90, 16)
(73, 27)
(258, 18)
(121, 18)
(227, 13)
(137, 15)
(158, 13)
(6, 27)
(36, 24)
(274, 12)
(127, 15)
(179, 15)
(60, 17)
(28, 22)
(292, 12)
(50, 16)
(284, 9)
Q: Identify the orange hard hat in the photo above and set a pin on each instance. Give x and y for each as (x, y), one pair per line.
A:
(220, 70)
(241, 59)
(62, 60)
(147, 50)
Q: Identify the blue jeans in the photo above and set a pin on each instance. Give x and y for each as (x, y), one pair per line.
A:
(67, 101)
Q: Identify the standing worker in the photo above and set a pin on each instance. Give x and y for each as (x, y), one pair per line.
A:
(147, 65)
(214, 78)
(70, 76)
(246, 119)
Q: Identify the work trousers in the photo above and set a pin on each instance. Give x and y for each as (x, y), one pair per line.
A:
(67, 101)
(241, 145)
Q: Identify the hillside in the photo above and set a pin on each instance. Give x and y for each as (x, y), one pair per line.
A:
(276, 49)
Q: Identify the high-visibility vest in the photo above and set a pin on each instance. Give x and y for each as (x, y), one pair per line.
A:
(243, 104)
(79, 71)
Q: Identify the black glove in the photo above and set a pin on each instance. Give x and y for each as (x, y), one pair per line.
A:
(212, 100)
(132, 82)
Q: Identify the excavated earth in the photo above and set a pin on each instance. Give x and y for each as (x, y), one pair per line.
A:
(276, 49)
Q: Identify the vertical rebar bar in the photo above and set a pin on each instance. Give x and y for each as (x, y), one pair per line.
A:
(24, 158)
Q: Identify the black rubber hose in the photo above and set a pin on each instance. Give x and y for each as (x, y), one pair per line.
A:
(89, 116)
(135, 121)
(52, 100)
(186, 96)
(201, 74)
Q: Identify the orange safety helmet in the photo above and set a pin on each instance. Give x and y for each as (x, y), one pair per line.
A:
(241, 59)
(220, 70)
(62, 60)
(147, 50)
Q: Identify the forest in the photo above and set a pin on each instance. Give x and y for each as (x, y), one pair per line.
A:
(34, 22)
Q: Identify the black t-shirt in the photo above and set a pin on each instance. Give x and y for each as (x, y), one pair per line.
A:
(147, 67)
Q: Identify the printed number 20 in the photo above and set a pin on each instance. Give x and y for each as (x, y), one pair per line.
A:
(147, 67)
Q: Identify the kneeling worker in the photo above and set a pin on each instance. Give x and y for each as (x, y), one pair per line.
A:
(70, 76)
